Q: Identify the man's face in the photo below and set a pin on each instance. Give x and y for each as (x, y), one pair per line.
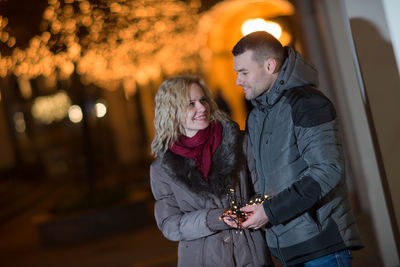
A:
(253, 78)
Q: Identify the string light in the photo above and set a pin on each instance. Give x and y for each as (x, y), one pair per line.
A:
(100, 109)
(19, 122)
(75, 114)
(109, 42)
(48, 109)
(234, 213)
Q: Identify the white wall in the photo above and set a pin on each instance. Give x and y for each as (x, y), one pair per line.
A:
(336, 20)
(392, 11)
(375, 55)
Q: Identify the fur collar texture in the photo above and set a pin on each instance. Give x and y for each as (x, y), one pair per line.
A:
(224, 167)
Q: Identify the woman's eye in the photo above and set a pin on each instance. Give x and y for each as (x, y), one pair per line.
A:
(203, 100)
(191, 104)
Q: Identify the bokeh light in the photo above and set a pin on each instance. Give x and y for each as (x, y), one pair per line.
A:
(258, 24)
(48, 109)
(100, 109)
(109, 42)
(19, 122)
(75, 114)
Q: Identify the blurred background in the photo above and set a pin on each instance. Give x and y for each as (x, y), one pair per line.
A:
(77, 82)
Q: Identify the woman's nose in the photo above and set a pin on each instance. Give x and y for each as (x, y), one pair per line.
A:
(201, 107)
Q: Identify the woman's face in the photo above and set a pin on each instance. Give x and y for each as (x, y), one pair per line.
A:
(197, 115)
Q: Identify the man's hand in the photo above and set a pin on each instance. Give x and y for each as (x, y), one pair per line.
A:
(256, 217)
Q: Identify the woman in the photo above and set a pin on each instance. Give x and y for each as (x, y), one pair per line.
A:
(201, 156)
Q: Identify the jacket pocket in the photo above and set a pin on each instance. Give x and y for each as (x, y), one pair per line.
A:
(296, 231)
(217, 250)
(190, 253)
(313, 219)
(281, 229)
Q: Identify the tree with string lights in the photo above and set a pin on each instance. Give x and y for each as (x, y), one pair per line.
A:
(111, 42)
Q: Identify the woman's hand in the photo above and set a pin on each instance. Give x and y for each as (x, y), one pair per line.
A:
(234, 219)
(231, 221)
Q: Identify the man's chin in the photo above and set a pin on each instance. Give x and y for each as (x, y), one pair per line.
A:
(248, 97)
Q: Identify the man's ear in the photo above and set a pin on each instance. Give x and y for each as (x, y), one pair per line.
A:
(271, 65)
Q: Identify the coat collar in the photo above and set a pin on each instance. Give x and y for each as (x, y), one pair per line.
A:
(294, 72)
(224, 164)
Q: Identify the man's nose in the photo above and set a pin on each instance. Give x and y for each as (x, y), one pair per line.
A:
(238, 81)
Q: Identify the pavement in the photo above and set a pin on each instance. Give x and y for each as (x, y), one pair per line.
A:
(25, 204)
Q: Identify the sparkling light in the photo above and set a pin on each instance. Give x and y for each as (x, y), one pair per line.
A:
(110, 42)
(24, 87)
(252, 25)
(75, 114)
(19, 122)
(101, 109)
(48, 109)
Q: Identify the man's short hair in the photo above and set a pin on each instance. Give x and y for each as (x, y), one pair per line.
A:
(263, 45)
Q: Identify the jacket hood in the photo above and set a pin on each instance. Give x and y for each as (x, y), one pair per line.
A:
(295, 72)
(225, 161)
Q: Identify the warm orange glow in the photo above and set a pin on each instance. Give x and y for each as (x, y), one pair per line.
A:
(135, 41)
(25, 87)
(258, 24)
(252, 25)
(4, 37)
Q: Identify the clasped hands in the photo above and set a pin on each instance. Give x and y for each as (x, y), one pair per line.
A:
(251, 216)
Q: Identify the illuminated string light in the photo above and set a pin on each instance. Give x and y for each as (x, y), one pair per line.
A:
(25, 87)
(109, 42)
(234, 213)
(48, 109)
(75, 114)
(100, 109)
(19, 122)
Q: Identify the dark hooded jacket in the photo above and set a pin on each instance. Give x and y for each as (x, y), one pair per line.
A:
(294, 133)
(187, 208)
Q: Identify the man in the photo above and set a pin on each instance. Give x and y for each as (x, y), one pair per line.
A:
(298, 156)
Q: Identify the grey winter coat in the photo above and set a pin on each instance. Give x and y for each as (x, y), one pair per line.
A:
(187, 209)
(299, 160)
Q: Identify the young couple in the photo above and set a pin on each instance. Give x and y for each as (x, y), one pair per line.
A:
(290, 152)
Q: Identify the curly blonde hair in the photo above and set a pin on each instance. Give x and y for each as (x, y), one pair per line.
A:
(171, 102)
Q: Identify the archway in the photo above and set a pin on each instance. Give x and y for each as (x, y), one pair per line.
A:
(222, 26)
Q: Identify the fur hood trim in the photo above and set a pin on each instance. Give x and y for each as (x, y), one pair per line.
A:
(225, 163)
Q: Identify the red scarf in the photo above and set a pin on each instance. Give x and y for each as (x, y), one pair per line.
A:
(201, 147)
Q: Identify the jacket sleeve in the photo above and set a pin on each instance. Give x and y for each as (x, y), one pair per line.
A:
(175, 224)
(319, 146)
